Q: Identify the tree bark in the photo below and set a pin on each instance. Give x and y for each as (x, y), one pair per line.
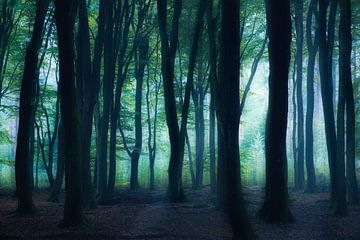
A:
(65, 12)
(227, 105)
(212, 80)
(54, 195)
(275, 207)
(312, 45)
(326, 43)
(89, 91)
(108, 95)
(345, 43)
(23, 167)
(299, 8)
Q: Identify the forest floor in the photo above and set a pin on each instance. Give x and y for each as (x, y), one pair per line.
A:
(147, 215)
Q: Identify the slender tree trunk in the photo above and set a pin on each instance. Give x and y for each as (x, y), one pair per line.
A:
(326, 43)
(108, 95)
(54, 195)
(212, 79)
(299, 8)
(345, 38)
(152, 137)
(65, 12)
(89, 92)
(168, 52)
(23, 167)
(227, 104)
(312, 45)
(143, 49)
(352, 185)
(294, 125)
(198, 98)
(345, 42)
(94, 93)
(275, 207)
(7, 25)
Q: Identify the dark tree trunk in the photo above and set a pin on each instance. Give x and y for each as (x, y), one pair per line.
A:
(7, 25)
(326, 43)
(345, 38)
(191, 165)
(168, 52)
(312, 45)
(198, 94)
(54, 195)
(299, 8)
(88, 94)
(65, 12)
(142, 52)
(294, 121)
(212, 80)
(122, 25)
(94, 112)
(108, 95)
(352, 185)
(152, 125)
(23, 167)
(275, 207)
(212, 146)
(227, 104)
(345, 43)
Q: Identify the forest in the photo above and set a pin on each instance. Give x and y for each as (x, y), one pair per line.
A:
(180, 119)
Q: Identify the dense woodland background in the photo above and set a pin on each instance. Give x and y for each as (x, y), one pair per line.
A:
(102, 96)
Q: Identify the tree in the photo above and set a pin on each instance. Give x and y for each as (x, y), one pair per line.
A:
(108, 95)
(299, 9)
(326, 44)
(23, 168)
(345, 38)
(212, 79)
(55, 191)
(65, 12)
(152, 125)
(168, 52)
(312, 45)
(275, 207)
(7, 25)
(344, 83)
(124, 16)
(88, 82)
(141, 55)
(226, 89)
(198, 95)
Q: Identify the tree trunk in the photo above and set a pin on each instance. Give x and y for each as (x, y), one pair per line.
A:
(65, 12)
(312, 46)
(143, 58)
(325, 65)
(345, 43)
(108, 95)
(168, 52)
(345, 38)
(54, 195)
(275, 207)
(198, 99)
(299, 8)
(23, 167)
(123, 32)
(152, 138)
(227, 104)
(89, 86)
(212, 80)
